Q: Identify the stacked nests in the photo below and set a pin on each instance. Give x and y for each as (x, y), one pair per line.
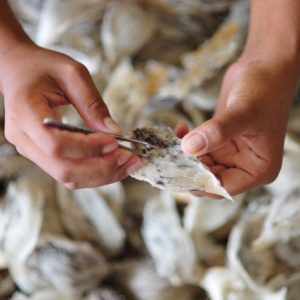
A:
(157, 63)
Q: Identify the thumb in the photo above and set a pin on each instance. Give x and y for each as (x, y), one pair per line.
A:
(83, 94)
(215, 132)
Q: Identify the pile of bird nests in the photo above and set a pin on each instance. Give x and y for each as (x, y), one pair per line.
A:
(155, 62)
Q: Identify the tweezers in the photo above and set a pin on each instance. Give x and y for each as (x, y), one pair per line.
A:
(67, 127)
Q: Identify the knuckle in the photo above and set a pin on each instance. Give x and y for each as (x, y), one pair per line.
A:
(21, 151)
(64, 175)
(75, 68)
(13, 111)
(93, 105)
(72, 186)
(216, 130)
(55, 148)
(270, 173)
(9, 136)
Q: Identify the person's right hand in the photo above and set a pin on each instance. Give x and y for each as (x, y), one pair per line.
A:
(35, 82)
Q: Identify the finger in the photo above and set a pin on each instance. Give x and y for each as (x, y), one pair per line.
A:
(55, 96)
(80, 89)
(77, 145)
(103, 171)
(243, 158)
(181, 130)
(207, 160)
(236, 181)
(100, 171)
(132, 165)
(212, 134)
(203, 194)
(216, 169)
(83, 172)
(58, 143)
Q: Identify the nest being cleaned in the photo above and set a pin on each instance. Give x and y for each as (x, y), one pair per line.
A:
(168, 168)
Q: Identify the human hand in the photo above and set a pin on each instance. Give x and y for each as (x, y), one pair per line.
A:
(243, 143)
(35, 83)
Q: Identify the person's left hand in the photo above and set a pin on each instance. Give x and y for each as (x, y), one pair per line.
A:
(243, 143)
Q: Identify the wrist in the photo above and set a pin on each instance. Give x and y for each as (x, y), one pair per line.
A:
(265, 80)
(281, 59)
(13, 59)
(278, 63)
(10, 48)
(12, 38)
(274, 35)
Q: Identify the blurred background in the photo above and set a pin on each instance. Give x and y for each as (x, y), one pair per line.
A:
(155, 62)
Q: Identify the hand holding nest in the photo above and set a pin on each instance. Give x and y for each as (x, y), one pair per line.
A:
(243, 142)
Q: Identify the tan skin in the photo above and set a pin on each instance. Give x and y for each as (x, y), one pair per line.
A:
(242, 143)
(36, 83)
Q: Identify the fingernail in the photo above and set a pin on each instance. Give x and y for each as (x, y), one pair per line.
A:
(134, 167)
(194, 143)
(123, 158)
(112, 126)
(109, 148)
